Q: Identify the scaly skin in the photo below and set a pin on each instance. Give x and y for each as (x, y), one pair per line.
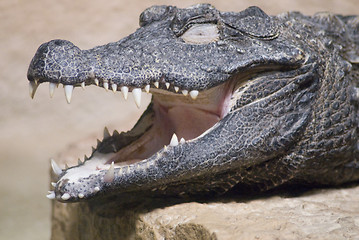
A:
(283, 91)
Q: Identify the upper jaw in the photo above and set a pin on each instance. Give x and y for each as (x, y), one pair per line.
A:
(59, 61)
(155, 55)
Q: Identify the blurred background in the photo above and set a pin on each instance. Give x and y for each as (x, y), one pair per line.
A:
(33, 131)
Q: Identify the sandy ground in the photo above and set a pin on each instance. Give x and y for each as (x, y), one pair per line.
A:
(32, 131)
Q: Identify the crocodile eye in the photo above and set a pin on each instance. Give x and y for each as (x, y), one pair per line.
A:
(201, 34)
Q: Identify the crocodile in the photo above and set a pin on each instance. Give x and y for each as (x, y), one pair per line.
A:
(239, 99)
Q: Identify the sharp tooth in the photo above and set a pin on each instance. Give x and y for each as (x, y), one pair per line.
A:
(32, 88)
(174, 140)
(157, 84)
(167, 85)
(137, 96)
(356, 90)
(185, 92)
(97, 82)
(105, 85)
(124, 91)
(66, 166)
(51, 195)
(36, 81)
(176, 89)
(106, 133)
(53, 184)
(79, 162)
(68, 92)
(193, 94)
(52, 87)
(83, 85)
(147, 88)
(65, 196)
(81, 195)
(110, 174)
(114, 87)
(57, 170)
(182, 140)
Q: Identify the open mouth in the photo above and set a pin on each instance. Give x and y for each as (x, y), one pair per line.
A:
(174, 117)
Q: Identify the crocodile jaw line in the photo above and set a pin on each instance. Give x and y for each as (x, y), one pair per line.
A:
(178, 118)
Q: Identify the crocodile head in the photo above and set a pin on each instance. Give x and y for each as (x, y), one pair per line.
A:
(216, 79)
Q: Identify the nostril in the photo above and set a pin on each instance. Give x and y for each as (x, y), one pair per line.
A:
(60, 42)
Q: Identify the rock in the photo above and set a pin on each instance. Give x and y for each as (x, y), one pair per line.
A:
(315, 214)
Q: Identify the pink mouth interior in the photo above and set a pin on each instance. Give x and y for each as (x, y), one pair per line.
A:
(175, 113)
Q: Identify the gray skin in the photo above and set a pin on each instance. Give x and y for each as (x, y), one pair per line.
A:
(292, 108)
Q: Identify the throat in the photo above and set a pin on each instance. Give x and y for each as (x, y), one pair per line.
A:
(186, 122)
